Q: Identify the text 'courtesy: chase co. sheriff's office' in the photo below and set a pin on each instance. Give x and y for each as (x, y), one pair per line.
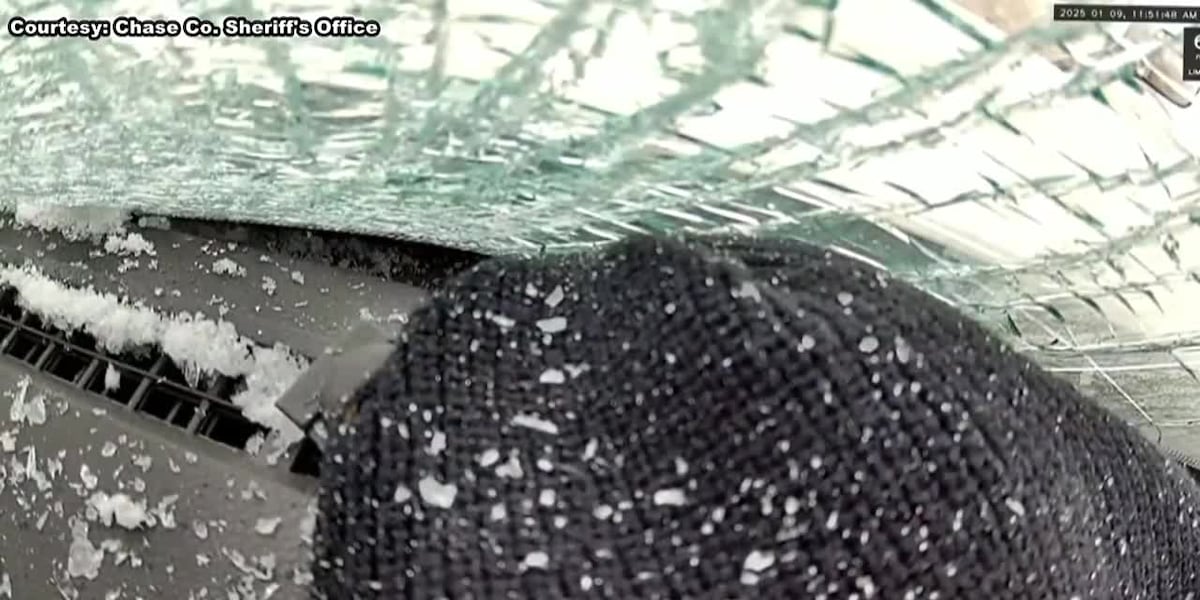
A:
(283, 26)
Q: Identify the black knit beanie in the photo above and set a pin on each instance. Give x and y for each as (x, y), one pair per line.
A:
(733, 419)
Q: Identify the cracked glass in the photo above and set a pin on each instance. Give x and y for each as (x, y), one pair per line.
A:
(1039, 175)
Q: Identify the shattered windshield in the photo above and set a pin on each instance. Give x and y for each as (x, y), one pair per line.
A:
(1038, 174)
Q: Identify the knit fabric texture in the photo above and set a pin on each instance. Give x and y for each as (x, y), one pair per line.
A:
(733, 419)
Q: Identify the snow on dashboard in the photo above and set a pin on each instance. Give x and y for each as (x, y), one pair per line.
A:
(74, 222)
(195, 342)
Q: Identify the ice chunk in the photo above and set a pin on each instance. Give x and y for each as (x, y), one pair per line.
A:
(536, 560)
(436, 493)
(165, 511)
(16, 411)
(112, 378)
(267, 525)
(903, 350)
(747, 290)
(438, 443)
(403, 494)
(536, 423)
(83, 559)
(498, 512)
(227, 266)
(670, 497)
(556, 296)
(90, 481)
(1016, 506)
(35, 411)
(261, 568)
(511, 469)
(867, 585)
(132, 244)
(120, 509)
(73, 222)
(553, 324)
(22, 410)
(758, 561)
(832, 521)
(552, 377)
(489, 457)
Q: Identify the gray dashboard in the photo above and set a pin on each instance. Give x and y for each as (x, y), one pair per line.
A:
(217, 521)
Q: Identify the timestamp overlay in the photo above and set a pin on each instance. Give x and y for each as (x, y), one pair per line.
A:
(1127, 13)
(1135, 13)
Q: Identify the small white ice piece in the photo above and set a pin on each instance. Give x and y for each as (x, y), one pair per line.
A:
(555, 297)
(511, 469)
(1015, 506)
(536, 560)
(489, 457)
(759, 561)
(131, 244)
(112, 378)
(119, 509)
(436, 493)
(267, 525)
(438, 443)
(90, 481)
(403, 494)
(83, 559)
(226, 266)
(670, 497)
(35, 411)
(552, 377)
(903, 350)
(536, 423)
(553, 324)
